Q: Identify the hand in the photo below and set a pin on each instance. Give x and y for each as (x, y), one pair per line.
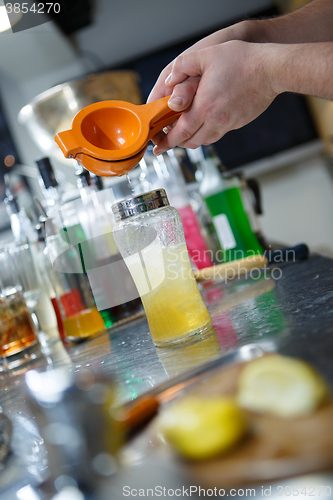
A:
(221, 87)
(239, 31)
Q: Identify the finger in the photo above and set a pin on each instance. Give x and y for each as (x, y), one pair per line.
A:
(160, 135)
(184, 129)
(160, 89)
(183, 94)
(185, 65)
(157, 138)
(205, 135)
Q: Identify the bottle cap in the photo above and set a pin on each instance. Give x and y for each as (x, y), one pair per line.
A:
(140, 204)
(47, 173)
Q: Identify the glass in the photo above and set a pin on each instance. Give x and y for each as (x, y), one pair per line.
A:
(28, 261)
(18, 340)
(150, 237)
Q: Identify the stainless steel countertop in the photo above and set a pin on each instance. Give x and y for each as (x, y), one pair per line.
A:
(292, 315)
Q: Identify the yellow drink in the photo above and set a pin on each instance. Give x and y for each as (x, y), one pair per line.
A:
(169, 293)
(84, 324)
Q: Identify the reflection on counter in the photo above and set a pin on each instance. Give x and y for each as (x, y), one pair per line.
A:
(254, 300)
(182, 357)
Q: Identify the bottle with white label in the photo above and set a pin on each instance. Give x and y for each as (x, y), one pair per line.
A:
(222, 195)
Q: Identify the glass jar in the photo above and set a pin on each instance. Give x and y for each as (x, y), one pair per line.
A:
(150, 238)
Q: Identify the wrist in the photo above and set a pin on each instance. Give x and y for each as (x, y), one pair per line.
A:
(253, 31)
(271, 67)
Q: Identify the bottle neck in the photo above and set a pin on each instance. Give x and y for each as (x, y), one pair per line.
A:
(22, 228)
(53, 196)
(214, 181)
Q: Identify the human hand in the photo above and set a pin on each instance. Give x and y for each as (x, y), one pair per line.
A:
(222, 87)
(239, 31)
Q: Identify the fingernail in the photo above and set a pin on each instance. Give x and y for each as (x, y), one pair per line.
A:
(157, 151)
(167, 129)
(168, 78)
(176, 101)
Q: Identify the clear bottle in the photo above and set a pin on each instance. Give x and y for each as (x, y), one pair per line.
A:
(80, 317)
(99, 249)
(52, 192)
(222, 194)
(22, 228)
(150, 238)
(46, 311)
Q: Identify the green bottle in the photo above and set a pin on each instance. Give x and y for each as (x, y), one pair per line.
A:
(223, 197)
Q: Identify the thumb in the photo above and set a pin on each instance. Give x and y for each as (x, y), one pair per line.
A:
(183, 94)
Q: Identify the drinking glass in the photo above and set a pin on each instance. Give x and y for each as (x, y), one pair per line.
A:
(22, 259)
(18, 339)
(27, 259)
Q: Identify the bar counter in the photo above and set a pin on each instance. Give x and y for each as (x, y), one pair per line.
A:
(288, 309)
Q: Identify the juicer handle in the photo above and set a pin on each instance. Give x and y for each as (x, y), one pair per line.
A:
(162, 115)
(67, 143)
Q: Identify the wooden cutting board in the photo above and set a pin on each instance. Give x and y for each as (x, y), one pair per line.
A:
(274, 449)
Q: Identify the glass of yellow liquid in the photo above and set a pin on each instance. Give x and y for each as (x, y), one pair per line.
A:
(150, 238)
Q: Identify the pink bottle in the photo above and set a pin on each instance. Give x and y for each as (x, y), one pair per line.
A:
(195, 242)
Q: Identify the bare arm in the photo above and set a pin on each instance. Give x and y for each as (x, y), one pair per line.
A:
(309, 24)
(303, 68)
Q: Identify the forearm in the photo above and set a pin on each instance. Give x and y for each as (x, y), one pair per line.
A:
(311, 23)
(301, 68)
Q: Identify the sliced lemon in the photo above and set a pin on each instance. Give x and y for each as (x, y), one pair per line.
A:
(281, 386)
(199, 427)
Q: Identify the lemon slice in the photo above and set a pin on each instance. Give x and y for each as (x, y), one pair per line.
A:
(281, 386)
(199, 427)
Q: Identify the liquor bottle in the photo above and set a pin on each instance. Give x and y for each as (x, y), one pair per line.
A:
(49, 185)
(72, 231)
(221, 192)
(22, 228)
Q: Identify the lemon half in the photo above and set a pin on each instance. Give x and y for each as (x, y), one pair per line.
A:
(201, 427)
(281, 386)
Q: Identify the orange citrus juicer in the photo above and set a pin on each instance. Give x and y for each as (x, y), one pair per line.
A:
(110, 137)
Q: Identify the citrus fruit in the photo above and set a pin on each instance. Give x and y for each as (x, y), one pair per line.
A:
(280, 386)
(201, 427)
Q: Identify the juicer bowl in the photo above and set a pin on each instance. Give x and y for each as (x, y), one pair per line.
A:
(52, 111)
